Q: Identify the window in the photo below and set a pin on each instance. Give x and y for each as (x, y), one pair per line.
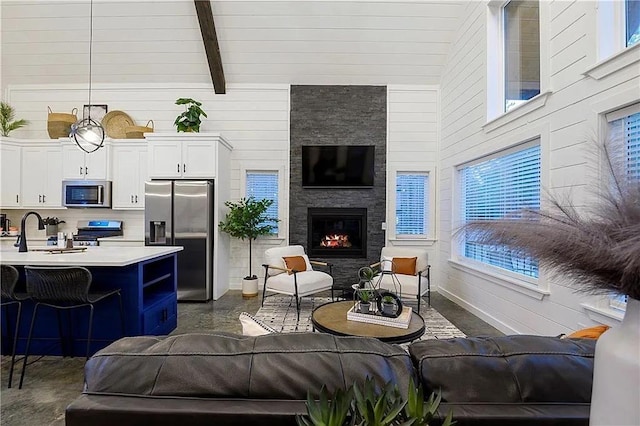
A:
(632, 22)
(624, 127)
(521, 52)
(492, 188)
(412, 204)
(264, 185)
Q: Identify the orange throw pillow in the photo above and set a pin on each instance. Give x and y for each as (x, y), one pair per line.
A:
(296, 263)
(589, 333)
(404, 265)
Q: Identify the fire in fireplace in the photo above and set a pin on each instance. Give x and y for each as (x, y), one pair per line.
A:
(337, 232)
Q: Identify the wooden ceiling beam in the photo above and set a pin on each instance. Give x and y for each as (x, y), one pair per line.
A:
(210, 40)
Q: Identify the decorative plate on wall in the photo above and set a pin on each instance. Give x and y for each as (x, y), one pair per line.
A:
(115, 123)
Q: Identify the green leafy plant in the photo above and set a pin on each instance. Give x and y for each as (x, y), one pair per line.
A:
(372, 406)
(7, 114)
(365, 295)
(388, 299)
(52, 221)
(248, 219)
(189, 120)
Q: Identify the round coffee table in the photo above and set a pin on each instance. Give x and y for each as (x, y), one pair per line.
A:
(332, 318)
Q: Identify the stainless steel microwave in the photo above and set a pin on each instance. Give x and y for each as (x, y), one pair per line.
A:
(86, 193)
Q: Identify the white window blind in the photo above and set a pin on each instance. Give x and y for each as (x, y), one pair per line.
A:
(412, 204)
(494, 188)
(626, 129)
(264, 185)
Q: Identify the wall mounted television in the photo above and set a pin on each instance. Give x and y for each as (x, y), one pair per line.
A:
(345, 166)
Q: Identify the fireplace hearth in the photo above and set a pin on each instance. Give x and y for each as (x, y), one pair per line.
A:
(337, 232)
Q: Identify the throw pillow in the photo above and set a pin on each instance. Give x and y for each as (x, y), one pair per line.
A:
(405, 265)
(296, 263)
(251, 326)
(589, 333)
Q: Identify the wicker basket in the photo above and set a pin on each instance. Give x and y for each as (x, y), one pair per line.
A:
(59, 123)
(137, 132)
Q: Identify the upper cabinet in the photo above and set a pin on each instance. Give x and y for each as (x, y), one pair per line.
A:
(184, 155)
(10, 155)
(42, 175)
(129, 171)
(77, 164)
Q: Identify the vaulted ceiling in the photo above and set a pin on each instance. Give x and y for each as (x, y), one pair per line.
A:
(297, 42)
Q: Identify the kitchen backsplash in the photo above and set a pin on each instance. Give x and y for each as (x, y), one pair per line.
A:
(133, 220)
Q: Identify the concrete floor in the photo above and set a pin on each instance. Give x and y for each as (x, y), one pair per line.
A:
(52, 383)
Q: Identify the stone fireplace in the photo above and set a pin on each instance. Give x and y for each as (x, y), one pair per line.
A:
(337, 232)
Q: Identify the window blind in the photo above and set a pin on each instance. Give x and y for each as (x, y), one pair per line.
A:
(412, 204)
(264, 185)
(494, 188)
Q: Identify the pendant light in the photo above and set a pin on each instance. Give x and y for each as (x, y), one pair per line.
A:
(88, 133)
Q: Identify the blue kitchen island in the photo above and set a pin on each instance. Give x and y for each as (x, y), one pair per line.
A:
(146, 276)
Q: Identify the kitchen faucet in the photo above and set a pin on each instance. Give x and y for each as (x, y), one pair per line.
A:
(23, 232)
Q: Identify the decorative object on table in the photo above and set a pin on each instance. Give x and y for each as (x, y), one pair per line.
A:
(599, 253)
(248, 219)
(7, 123)
(400, 319)
(364, 297)
(96, 112)
(59, 123)
(137, 132)
(88, 133)
(366, 276)
(371, 405)
(115, 124)
(388, 305)
(189, 120)
(51, 225)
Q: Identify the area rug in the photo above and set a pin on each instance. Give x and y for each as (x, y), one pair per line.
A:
(279, 312)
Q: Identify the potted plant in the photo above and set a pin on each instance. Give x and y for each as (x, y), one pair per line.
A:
(247, 219)
(598, 251)
(7, 114)
(189, 120)
(365, 297)
(51, 224)
(388, 305)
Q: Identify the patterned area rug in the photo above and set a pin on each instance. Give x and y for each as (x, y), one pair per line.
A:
(280, 313)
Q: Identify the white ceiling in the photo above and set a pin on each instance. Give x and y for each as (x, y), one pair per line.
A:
(297, 42)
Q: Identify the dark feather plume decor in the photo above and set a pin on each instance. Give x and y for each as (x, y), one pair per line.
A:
(598, 250)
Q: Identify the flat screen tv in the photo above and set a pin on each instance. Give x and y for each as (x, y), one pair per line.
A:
(349, 166)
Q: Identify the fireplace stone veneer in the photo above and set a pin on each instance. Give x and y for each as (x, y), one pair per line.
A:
(337, 232)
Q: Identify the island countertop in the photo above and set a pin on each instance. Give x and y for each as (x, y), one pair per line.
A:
(93, 256)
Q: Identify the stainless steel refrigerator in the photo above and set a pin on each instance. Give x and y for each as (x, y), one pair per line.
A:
(180, 213)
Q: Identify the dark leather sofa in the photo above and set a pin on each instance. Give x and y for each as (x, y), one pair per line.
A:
(226, 379)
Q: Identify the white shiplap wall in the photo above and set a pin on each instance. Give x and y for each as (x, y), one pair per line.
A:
(253, 118)
(412, 146)
(566, 123)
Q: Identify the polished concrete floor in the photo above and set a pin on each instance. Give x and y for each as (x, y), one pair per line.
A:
(52, 383)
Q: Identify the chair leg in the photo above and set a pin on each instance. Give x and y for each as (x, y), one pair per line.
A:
(15, 343)
(419, 300)
(89, 330)
(298, 306)
(26, 351)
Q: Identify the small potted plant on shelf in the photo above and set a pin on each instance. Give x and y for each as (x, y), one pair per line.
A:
(7, 114)
(247, 219)
(189, 120)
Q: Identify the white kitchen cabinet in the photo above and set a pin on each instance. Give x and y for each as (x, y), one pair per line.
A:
(10, 155)
(184, 155)
(42, 175)
(77, 164)
(129, 171)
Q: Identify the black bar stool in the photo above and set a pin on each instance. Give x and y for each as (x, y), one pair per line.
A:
(9, 279)
(63, 288)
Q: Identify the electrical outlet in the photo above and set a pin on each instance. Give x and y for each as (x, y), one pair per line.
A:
(384, 226)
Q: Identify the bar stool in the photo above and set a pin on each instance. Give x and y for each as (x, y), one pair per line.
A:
(9, 279)
(63, 288)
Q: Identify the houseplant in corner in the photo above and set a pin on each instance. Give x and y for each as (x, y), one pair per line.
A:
(247, 219)
(599, 252)
(189, 120)
(7, 114)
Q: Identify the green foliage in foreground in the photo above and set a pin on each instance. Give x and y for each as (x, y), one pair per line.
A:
(371, 406)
